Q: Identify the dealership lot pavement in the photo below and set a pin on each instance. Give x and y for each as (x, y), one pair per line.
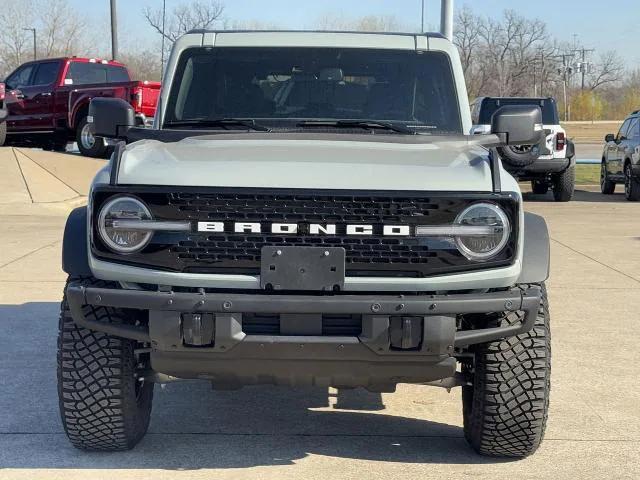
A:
(264, 432)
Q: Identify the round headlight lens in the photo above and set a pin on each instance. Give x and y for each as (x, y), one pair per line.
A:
(123, 240)
(483, 243)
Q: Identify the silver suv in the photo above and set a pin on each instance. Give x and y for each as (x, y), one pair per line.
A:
(308, 210)
(621, 159)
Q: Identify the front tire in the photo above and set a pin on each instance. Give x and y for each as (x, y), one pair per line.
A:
(564, 184)
(88, 144)
(103, 406)
(3, 133)
(505, 410)
(607, 187)
(631, 184)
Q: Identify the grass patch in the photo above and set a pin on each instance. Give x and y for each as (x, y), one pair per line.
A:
(586, 132)
(587, 174)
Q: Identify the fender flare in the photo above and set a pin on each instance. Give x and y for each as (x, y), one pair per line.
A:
(76, 114)
(75, 251)
(536, 251)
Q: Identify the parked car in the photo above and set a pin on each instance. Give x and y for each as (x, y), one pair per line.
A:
(328, 220)
(621, 159)
(48, 100)
(550, 163)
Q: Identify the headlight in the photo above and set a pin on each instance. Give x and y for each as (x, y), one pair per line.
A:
(482, 231)
(113, 220)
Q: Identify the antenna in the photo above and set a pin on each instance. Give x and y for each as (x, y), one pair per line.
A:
(446, 19)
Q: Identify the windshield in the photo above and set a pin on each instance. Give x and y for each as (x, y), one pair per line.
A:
(279, 85)
(547, 105)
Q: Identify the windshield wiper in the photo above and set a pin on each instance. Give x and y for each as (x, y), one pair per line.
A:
(366, 124)
(219, 122)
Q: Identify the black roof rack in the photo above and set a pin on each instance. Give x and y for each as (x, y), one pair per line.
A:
(413, 34)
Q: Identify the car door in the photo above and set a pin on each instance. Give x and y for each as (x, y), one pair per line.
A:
(15, 99)
(614, 150)
(39, 96)
(627, 146)
(635, 144)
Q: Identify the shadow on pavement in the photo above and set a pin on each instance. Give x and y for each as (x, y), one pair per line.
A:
(193, 427)
(579, 196)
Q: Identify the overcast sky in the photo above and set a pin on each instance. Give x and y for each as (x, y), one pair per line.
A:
(612, 25)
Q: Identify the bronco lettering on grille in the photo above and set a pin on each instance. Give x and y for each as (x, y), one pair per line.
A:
(294, 228)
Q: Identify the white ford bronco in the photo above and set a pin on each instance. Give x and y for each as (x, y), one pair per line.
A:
(309, 209)
(549, 164)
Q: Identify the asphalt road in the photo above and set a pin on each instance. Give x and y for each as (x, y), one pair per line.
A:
(280, 433)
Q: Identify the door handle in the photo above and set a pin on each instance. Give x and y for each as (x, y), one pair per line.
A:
(45, 94)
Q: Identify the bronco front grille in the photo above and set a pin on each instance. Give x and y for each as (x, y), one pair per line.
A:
(374, 255)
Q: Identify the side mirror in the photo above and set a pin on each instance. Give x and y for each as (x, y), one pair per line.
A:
(111, 117)
(518, 125)
(610, 137)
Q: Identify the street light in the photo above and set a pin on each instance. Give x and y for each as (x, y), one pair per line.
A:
(164, 18)
(35, 54)
(114, 31)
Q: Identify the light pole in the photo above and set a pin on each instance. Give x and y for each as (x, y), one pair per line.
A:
(114, 31)
(35, 53)
(422, 17)
(164, 17)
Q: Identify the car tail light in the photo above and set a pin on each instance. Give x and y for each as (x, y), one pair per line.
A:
(137, 97)
(561, 141)
(2, 88)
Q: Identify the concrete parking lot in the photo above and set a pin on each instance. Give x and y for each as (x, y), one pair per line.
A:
(265, 432)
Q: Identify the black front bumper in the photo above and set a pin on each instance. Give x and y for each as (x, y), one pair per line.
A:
(367, 360)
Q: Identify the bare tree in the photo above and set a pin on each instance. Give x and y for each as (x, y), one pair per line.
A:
(142, 65)
(506, 56)
(370, 23)
(15, 45)
(198, 14)
(468, 39)
(467, 36)
(609, 69)
(60, 31)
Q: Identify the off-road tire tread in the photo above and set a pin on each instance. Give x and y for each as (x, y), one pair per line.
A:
(564, 184)
(96, 390)
(634, 195)
(505, 411)
(607, 187)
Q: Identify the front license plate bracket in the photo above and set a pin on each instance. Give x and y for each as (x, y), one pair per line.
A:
(302, 268)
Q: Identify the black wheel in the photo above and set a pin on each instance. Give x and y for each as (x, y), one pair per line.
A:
(3, 133)
(103, 405)
(631, 184)
(88, 144)
(607, 187)
(539, 187)
(505, 409)
(564, 184)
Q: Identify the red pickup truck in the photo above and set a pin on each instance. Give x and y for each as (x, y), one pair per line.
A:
(47, 101)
